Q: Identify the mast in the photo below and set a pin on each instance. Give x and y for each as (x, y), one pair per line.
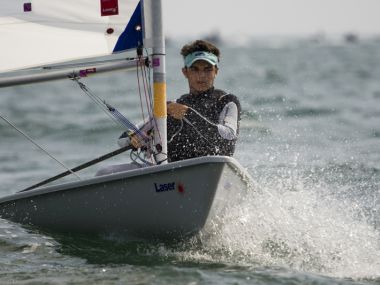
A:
(159, 81)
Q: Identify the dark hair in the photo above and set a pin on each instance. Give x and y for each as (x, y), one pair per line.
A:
(199, 45)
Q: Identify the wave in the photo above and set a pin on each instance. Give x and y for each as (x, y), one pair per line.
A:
(309, 112)
(291, 223)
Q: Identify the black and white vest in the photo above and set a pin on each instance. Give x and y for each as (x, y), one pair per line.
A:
(201, 138)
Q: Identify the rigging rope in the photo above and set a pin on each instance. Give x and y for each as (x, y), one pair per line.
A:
(110, 111)
(144, 86)
(143, 71)
(95, 98)
(145, 82)
(177, 132)
(199, 133)
(128, 124)
(149, 94)
(139, 88)
(37, 145)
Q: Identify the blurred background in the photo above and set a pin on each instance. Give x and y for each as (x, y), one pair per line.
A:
(241, 19)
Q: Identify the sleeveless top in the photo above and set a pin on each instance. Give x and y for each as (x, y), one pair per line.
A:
(200, 138)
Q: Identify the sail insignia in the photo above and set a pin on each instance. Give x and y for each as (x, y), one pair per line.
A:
(109, 7)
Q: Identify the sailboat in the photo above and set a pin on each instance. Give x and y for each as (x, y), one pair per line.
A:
(69, 40)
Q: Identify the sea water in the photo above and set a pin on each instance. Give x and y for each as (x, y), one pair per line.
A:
(309, 137)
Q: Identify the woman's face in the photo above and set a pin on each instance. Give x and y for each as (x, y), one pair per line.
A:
(201, 76)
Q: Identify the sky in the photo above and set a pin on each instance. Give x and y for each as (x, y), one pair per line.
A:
(271, 17)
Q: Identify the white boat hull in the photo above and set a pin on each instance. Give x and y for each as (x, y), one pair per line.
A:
(171, 201)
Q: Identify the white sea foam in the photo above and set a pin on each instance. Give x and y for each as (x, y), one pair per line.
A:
(287, 222)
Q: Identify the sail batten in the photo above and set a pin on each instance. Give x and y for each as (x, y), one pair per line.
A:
(54, 31)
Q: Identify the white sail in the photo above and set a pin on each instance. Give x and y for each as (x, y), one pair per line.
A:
(41, 32)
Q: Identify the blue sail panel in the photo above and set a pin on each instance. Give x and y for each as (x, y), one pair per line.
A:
(132, 36)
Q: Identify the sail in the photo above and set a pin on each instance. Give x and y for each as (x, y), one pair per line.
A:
(37, 33)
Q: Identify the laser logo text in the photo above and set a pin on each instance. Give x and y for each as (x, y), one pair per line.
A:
(165, 187)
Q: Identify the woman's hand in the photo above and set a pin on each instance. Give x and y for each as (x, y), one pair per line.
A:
(176, 110)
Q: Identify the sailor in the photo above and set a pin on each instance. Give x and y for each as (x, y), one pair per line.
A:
(203, 122)
(206, 120)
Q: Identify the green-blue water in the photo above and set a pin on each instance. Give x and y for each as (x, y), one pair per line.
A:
(310, 138)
